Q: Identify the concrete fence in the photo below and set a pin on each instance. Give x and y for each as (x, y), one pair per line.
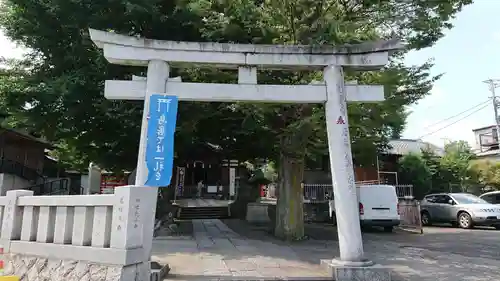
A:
(102, 233)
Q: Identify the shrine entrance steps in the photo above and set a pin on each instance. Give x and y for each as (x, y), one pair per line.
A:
(203, 208)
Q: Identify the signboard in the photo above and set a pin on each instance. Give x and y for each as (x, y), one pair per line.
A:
(179, 183)
(160, 142)
(109, 182)
(232, 181)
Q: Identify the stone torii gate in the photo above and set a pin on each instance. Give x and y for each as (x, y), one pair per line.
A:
(159, 56)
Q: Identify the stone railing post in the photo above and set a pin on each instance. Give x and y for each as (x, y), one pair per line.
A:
(127, 225)
(12, 218)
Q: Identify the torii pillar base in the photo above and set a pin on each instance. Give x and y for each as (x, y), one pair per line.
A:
(356, 271)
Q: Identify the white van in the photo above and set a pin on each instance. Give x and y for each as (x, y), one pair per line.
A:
(378, 206)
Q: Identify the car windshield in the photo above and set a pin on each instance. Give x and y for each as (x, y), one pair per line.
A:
(468, 199)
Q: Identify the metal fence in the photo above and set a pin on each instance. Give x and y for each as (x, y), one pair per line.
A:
(409, 208)
(317, 193)
(409, 212)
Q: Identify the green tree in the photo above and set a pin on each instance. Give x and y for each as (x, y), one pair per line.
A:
(58, 89)
(486, 173)
(456, 162)
(439, 178)
(296, 130)
(413, 169)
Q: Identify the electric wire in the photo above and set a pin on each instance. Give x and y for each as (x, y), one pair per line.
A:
(458, 114)
(453, 123)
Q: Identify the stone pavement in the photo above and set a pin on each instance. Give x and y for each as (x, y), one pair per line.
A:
(217, 252)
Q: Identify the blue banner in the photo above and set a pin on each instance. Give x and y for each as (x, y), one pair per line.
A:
(160, 145)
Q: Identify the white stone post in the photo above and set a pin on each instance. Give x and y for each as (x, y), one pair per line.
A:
(157, 75)
(341, 167)
(127, 227)
(12, 217)
(126, 232)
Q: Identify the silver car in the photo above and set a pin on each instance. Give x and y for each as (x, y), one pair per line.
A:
(461, 209)
(492, 197)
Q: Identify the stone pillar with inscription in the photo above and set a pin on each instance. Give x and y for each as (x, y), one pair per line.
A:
(157, 75)
(233, 164)
(126, 228)
(352, 265)
(339, 145)
(12, 217)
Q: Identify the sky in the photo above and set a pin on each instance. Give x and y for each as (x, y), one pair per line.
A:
(466, 56)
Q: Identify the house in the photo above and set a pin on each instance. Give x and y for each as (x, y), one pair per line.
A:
(24, 164)
(486, 143)
(385, 167)
(22, 160)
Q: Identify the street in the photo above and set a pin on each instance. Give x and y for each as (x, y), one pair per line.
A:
(474, 243)
(441, 253)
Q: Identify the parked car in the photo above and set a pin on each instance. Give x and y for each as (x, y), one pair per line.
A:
(378, 206)
(492, 197)
(460, 209)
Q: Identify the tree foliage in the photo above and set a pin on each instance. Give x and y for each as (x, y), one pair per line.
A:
(457, 162)
(413, 169)
(57, 90)
(65, 72)
(486, 173)
(428, 172)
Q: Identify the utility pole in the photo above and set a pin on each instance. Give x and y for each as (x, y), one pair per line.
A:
(493, 84)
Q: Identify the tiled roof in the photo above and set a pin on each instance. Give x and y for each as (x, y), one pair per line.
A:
(407, 146)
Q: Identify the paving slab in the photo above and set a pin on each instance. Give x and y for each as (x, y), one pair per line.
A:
(216, 252)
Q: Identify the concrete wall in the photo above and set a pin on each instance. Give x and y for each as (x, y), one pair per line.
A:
(73, 238)
(37, 268)
(12, 182)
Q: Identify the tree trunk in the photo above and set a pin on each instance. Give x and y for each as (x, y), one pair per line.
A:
(290, 207)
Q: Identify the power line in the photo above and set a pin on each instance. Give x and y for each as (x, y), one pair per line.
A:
(442, 128)
(458, 114)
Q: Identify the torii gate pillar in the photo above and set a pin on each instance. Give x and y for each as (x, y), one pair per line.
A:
(158, 56)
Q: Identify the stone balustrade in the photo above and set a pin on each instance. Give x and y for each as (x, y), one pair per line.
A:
(77, 235)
